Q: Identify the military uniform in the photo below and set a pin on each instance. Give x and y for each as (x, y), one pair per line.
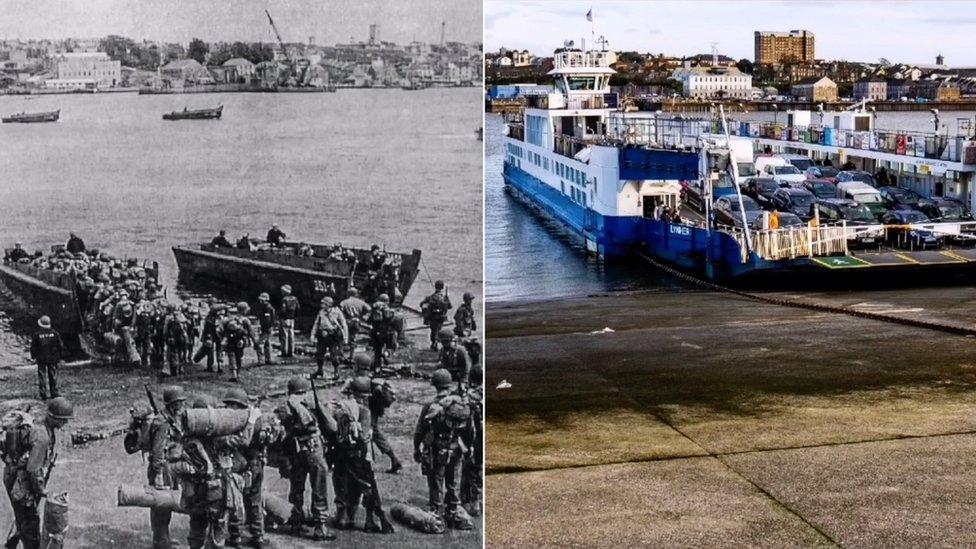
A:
(267, 316)
(356, 312)
(286, 330)
(46, 348)
(329, 332)
(249, 462)
(210, 339)
(382, 334)
(143, 335)
(237, 332)
(28, 456)
(464, 321)
(454, 358)
(380, 399)
(472, 481)
(435, 308)
(176, 327)
(303, 440)
(164, 445)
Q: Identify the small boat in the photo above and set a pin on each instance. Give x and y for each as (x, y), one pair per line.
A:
(31, 117)
(196, 114)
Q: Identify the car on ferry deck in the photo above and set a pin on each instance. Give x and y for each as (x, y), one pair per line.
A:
(693, 195)
(856, 175)
(898, 198)
(835, 211)
(799, 161)
(787, 220)
(821, 172)
(761, 190)
(863, 193)
(727, 211)
(940, 208)
(793, 200)
(901, 233)
(821, 188)
(786, 175)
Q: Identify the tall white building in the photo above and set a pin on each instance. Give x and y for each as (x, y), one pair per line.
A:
(714, 83)
(87, 69)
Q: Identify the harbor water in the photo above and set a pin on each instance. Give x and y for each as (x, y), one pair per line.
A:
(401, 169)
(529, 258)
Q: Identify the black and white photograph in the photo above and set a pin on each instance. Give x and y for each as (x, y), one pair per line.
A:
(241, 294)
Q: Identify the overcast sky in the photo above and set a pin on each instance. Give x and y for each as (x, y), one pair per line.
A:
(900, 31)
(330, 21)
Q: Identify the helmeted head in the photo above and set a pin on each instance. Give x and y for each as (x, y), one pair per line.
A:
(44, 321)
(441, 379)
(72, 235)
(18, 245)
(362, 362)
(274, 225)
(174, 396)
(222, 232)
(374, 248)
(439, 285)
(243, 308)
(383, 298)
(298, 385)
(264, 297)
(286, 289)
(326, 302)
(60, 410)
(353, 292)
(468, 297)
(235, 397)
(445, 336)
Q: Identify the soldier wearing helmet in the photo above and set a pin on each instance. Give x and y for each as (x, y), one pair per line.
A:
(210, 346)
(381, 397)
(29, 455)
(46, 348)
(472, 479)
(164, 443)
(382, 332)
(267, 317)
(464, 320)
(454, 358)
(329, 334)
(249, 458)
(286, 330)
(237, 333)
(356, 311)
(435, 308)
(442, 439)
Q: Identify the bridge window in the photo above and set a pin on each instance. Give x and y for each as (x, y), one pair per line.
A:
(582, 83)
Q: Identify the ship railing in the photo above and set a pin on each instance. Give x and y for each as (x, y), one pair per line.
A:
(804, 241)
(929, 145)
(61, 279)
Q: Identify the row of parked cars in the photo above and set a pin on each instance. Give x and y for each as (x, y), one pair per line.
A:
(851, 197)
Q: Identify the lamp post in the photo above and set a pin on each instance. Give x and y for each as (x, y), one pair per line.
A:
(775, 114)
(820, 111)
(935, 119)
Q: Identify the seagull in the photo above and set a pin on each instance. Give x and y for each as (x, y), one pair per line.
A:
(504, 385)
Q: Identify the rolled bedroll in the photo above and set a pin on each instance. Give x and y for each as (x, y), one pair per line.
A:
(417, 519)
(149, 497)
(214, 422)
(276, 510)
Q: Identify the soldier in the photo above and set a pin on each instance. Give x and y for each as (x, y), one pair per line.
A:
(382, 396)
(329, 334)
(382, 334)
(286, 331)
(454, 358)
(435, 308)
(237, 334)
(276, 237)
(143, 332)
(267, 316)
(210, 338)
(472, 482)
(443, 437)
(353, 439)
(464, 321)
(220, 241)
(356, 312)
(304, 440)
(176, 328)
(29, 454)
(46, 348)
(159, 334)
(164, 444)
(192, 314)
(249, 462)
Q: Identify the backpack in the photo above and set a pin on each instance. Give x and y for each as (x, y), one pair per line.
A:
(450, 412)
(138, 434)
(177, 329)
(234, 329)
(349, 432)
(437, 306)
(377, 317)
(383, 395)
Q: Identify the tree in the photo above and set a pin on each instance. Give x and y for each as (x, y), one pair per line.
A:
(198, 50)
(745, 66)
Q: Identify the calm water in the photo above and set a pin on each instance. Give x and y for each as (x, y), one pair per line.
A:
(401, 169)
(529, 258)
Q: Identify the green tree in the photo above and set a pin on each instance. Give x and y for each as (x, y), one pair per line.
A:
(198, 50)
(745, 66)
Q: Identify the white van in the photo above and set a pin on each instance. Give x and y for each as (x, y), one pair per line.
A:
(779, 169)
(801, 162)
(863, 193)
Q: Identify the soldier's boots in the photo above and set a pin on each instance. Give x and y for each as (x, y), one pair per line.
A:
(321, 533)
(233, 542)
(257, 543)
(371, 527)
(395, 465)
(474, 509)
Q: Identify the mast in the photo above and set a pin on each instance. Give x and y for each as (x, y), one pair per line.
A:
(735, 179)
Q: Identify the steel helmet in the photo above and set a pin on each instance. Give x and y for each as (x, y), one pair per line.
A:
(361, 385)
(468, 296)
(383, 298)
(44, 321)
(286, 289)
(327, 301)
(353, 292)
(173, 394)
(439, 285)
(236, 395)
(298, 384)
(445, 334)
(60, 408)
(243, 308)
(441, 378)
(362, 361)
(264, 297)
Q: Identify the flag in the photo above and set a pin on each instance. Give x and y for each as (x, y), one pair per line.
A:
(589, 15)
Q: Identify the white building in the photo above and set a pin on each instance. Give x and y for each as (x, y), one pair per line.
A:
(88, 66)
(719, 82)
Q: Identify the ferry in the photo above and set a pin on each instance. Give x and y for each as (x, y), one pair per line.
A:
(32, 117)
(195, 114)
(622, 180)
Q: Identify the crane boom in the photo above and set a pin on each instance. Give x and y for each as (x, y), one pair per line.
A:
(281, 42)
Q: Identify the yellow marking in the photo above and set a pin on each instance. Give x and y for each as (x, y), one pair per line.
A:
(956, 256)
(906, 258)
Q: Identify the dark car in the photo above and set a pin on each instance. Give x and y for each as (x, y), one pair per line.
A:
(821, 188)
(897, 198)
(835, 211)
(793, 200)
(693, 195)
(787, 220)
(761, 190)
(727, 211)
(940, 208)
(822, 172)
(854, 175)
(901, 232)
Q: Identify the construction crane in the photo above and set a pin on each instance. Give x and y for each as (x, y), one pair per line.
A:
(294, 75)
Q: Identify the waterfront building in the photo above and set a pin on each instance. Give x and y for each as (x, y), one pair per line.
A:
(774, 48)
(871, 88)
(718, 82)
(821, 89)
(86, 69)
(938, 90)
(898, 88)
(238, 69)
(185, 71)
